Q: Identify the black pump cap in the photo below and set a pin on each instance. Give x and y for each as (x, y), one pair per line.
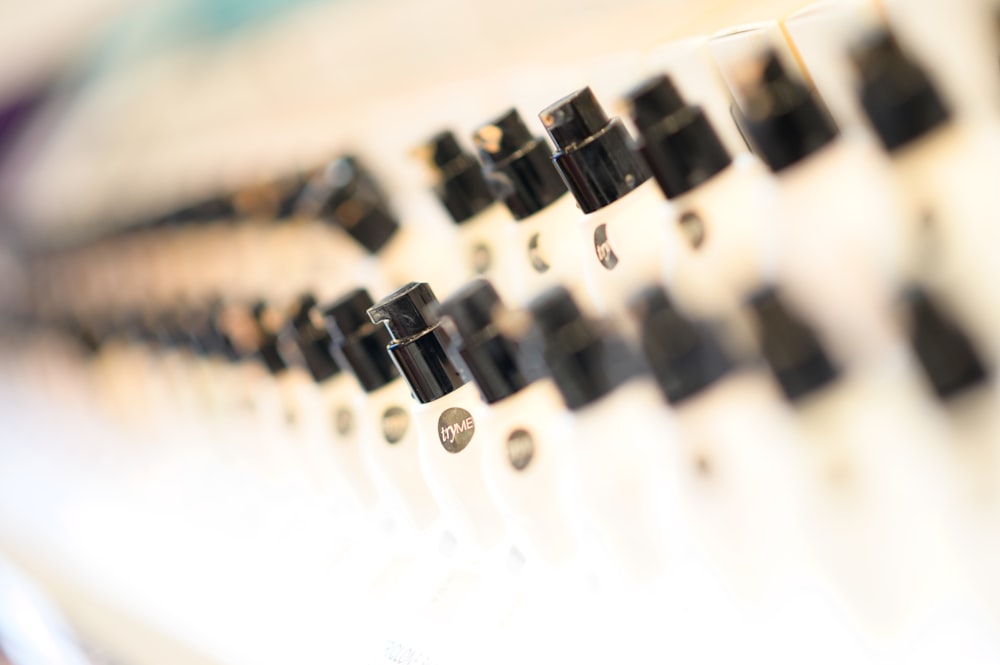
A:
(361, 343)
(896, 93)
(586, 360)
(945, 352)
(493, 358)
(595, 156)
(791, 348)
(678, 142)
(306, 331)
(418, 346)
(462, 187)
(518, 165)
(785, 120)
(345, 193)
(267, 347)
(685, 356)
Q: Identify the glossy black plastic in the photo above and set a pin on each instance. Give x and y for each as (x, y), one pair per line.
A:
(791, 348)
(676, 139)
(684, 356)
(518, 166)
(461, 186)
(419, 344)
(899, 98)
(493, 358)
(361, 343)
(946, 354)
(345, 193)
(585, 358)
(595, 155)
(785, 121)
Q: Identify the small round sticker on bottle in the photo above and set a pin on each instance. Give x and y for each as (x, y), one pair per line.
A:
(343, 421)
(520, 449)
(605, 253)
(692, 228)
(455, 429)
(395, 422)
(538, 261)
(482, 259)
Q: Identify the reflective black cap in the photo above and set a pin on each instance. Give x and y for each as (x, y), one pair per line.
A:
(493, 358)
(267, 350)
(586, 360)
(345, 193)
(786, 121)
(418, 346)
(900, 100)
(948, 357)
(677, 140)
(791, 348)
(685, 356)
(361, 343)
(595, 156)
(462, 187)
(306, 331)
(518, 165)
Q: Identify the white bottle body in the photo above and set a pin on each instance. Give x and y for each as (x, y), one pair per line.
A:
(625, 245)
(619, 483)
(390, 450)
(736, 441)
(726, 229)
(948, 226)
(837, 255)
(521, 465)
(544, 252)
(455, 478)
(333, 437)
(483, 250)
(875, 508)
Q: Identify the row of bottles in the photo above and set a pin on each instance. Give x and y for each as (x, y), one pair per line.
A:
(662, 373)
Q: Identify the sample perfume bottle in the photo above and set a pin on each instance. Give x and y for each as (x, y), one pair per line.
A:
(621, 228)
(942, 163)
(836, 255)
(734, 438)
(480, 219)
(520, 463)
(721, 208)
(326, 404)
(962, 381)
(445, 401)
(544, 251)
(867, 446)
(619, 480)
(388, 438)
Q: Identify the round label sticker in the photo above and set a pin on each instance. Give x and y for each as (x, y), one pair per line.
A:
(520, 449)
(455, 429)
(343, 421)
(538, 261)
(395, 422)
(605, 253)
(692, 228)
(481, 258)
